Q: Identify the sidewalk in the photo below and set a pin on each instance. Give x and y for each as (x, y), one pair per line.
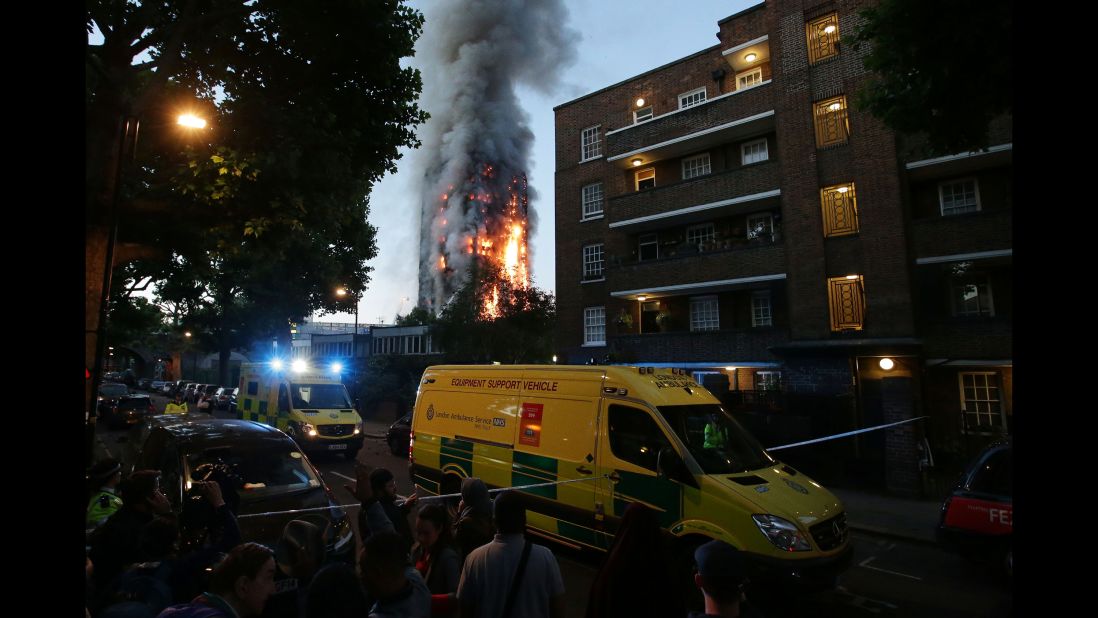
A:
(375, 429)
(905, 518)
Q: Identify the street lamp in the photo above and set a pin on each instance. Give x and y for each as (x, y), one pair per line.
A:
(127, 148)
(341, 292)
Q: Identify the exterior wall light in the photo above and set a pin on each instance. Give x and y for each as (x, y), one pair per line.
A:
(751, 57)
(887, 364)
(640, 102)
(637, 162)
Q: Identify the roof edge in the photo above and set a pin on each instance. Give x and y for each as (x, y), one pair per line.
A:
(749, 9)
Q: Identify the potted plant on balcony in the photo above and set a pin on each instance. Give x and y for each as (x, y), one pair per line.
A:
(624, 322)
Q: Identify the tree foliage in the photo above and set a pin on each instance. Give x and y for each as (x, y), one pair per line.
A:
(941, 68)
(419, 316)
(261, 218)
(522, 332)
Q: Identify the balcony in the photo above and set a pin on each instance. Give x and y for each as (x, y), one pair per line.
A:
(727, 118)
(758, 258)
(969, 338)
(699, 199)
(962, 234)
(745, 344)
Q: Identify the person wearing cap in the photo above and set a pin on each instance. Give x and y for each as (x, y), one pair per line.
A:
(105, 475)
(721, 576)
(176, 406)
(383, 488)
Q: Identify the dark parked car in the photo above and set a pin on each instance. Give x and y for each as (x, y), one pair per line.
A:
(144, 383)
(128, 410)
(188, 391)
(109, 393)
(977, 518)
(259, 468)
(203, 396)
(221, 397)
(399, 435)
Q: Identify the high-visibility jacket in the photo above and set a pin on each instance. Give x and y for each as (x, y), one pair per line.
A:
(714, 437)
(102, 506)
(176, 408)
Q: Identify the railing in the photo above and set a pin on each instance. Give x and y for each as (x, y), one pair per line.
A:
(749, 180)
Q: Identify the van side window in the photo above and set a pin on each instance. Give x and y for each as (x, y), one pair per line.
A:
(635, 436)
(283, 399)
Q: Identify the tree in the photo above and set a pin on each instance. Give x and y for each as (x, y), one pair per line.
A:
(941, 68)
(416, 317)
(521, 332)
(255, 224)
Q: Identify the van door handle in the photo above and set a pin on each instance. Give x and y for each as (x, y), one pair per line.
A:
(582, 470)
(614, 476)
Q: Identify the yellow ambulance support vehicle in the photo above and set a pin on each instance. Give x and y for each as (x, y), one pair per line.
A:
(644, 435)
(310, 405)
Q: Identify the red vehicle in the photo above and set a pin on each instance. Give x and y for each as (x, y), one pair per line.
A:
(977, 518)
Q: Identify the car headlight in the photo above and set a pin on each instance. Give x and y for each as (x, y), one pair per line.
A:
(308, 429)
(358, 428)
(782, 533)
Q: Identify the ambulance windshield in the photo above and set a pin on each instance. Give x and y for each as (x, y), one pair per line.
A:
(718, 443)
(320, 396)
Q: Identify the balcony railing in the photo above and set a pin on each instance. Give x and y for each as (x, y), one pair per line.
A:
(743, 344)
(761, 256)
(713, 188)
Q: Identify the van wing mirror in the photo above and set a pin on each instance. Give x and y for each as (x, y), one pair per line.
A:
(669, 465)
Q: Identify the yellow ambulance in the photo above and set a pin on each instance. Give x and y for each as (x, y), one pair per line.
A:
(624, 434)
(309, 404)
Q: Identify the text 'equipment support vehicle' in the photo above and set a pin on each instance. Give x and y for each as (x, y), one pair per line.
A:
(311, 406)
(639, 435)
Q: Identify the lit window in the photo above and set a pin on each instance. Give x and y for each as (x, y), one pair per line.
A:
(846, 299)
(702, 233)
(768, 380)
(823, 37)
(760, 309)
(592, 262)
(704, 313)
(592, 200)
(594, 326)
(692, 98)
(692, 167)
(592, 145)
(754, 151)
(981, 402)
(971, 297)
(840, 210)
(642, 114)
(959, 196)
(750, 78)
(646, 179)
(832, 123)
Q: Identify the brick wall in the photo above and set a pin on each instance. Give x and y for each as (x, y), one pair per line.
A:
(829, 375)
(748, 262)
(696, 191)
(743, 345)
(968, 233)
(901, 455)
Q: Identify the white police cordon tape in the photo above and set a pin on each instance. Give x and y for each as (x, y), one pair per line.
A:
(843, 435)
(421, 498)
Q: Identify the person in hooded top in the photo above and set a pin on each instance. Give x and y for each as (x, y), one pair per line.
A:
(473, 527)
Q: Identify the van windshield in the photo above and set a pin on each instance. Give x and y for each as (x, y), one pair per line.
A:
(718, 443)
(319, 396)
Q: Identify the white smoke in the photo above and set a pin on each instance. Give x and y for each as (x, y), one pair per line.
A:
(473, 54)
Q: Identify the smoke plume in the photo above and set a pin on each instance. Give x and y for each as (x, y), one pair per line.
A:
(476, 146)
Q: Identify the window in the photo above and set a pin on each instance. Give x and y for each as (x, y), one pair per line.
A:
(840, 210)
(692, 98)
(749, 78)
(695, 166)
(704, 313)
(592, 200)
(754, 151)
(768, 380)
(832, 123)
(846, 299)
(972, 298)
(760, 226)
(980, 401)
(646, 179)
(594, 326)
(592, 146)
(648, 247)
(642, 114)
(760, 309)
(700, 234)
(959, 197)
(592, 262)
(823, 37)
(635, 437)
(649, 311)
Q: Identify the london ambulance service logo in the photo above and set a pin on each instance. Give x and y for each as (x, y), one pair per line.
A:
(430, 411)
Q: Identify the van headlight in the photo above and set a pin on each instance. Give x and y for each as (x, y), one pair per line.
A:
(308, 429)
(783, 533)
(358, 428)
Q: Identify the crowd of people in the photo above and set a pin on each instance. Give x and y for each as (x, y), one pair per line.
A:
(478, 563)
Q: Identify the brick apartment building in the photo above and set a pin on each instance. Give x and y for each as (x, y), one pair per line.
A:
(733, 214)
